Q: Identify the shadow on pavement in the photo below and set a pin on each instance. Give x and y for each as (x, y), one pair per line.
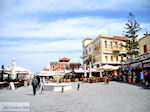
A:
(30, 94)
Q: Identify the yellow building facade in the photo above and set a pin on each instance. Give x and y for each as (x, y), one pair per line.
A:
(144, 45)
(105, 49)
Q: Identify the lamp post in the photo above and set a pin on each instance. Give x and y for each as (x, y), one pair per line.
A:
(90, 73)
(85, 74)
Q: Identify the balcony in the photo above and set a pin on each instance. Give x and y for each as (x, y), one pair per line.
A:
(145, 56)
(83, 56)
(96, 51)
(116, 50)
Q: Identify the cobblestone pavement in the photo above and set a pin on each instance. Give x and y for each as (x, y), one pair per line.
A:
(95, 97)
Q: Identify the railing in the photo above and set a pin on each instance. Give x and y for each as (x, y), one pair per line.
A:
(145, 56)
(84, 56)
(96, 51)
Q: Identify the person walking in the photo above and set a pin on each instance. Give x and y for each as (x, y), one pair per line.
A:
(107, 80)
(78, 87)
(41, 85)
(38, 79)
(146, 78)
(62, 89)
(141, 77)
(34, 84)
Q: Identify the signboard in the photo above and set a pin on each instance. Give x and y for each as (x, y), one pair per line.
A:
(12, 86)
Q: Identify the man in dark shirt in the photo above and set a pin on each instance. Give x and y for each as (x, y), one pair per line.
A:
(38, 79)
(34, 84)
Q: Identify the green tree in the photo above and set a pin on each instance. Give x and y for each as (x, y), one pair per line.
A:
(131, 29)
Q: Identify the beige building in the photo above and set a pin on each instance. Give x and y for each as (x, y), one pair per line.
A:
(105, 49)
(144, 45)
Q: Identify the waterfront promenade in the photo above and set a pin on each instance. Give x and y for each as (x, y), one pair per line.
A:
(95, 97)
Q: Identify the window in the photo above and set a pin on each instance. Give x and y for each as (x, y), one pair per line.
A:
(121, 45)
(116, 58)
(86, 52)
(111, 44)
(97, 59)
(121, 58)
(145, 48)
(105, 44)
(89, 49)
(106, 58)
(111, 58)
(116, 44)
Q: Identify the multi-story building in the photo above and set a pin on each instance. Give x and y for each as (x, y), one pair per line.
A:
(63, 64)
(87, 50)
(144, 46)
(105, 49)
(143, 59)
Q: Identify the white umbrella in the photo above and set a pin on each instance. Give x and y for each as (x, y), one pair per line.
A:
(109, 67)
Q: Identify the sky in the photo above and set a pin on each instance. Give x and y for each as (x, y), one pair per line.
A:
(37, 32)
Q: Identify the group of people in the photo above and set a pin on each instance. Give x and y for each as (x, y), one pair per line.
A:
(37, 84)
(142, 77)
(145, 78)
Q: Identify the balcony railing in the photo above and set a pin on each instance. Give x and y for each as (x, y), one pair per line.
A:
(83, 56)
(96, 51)
(145, 56)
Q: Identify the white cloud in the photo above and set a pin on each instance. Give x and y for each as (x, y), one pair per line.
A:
(65, 28)
(68, 28)
(64, 45)
(30, 6)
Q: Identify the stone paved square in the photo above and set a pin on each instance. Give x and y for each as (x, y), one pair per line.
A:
(92, 97)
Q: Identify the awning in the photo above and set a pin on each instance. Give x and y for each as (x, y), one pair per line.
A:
(108, 67)
(136, 64)
(146, 61)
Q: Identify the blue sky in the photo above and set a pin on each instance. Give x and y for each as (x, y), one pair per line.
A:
(36, 32)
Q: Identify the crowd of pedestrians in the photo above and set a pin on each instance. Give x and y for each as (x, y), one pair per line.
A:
(142, 77)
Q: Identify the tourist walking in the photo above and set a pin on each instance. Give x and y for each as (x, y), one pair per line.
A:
(34, 84)
(107, 79)
(38, 79)
(141, 77)
(41, 85)
(124, 77)
(146, 78)
(62, 89)
(78, 87)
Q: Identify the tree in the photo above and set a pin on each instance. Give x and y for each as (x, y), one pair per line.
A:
(132, 27)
